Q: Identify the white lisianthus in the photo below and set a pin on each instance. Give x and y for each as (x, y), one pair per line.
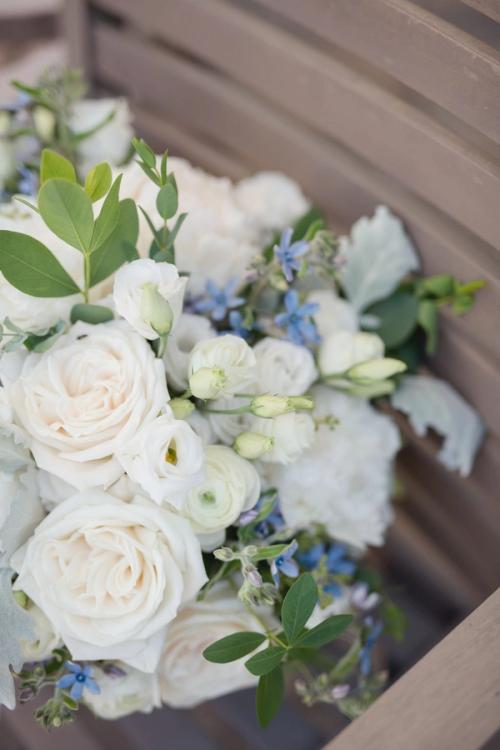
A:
(202, 427)
(189, 331)
(333, 314)
(344, 480)
(124, 694)
(272, 200)
(45, 640)
(118, 572)
(137, 281)
(221, 366)
(111, 142)
(342, 350)
(232, 485)
(85, 399)
(165, 458)
(226, 427)
(292, 435)
(186, 677)
(283, 367)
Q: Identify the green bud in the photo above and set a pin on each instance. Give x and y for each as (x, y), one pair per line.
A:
(44, 122)
(252, 445)
(21, 598)
(273, 406)
(372, 390)
(380, 368)
(225, 554)
(155, 310)
(207, 382)
(4, 123)
(181, 407)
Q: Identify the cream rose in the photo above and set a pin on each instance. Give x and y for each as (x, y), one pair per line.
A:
(292, 435)
(190, 330)
(124, 694)
(283, 368)
(110, 575)
(186, 677)
(166, 459)
(221, 366)
(85, 398)
(342, 350)
(135, 281)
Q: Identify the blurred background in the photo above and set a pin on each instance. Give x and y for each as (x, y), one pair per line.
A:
(363, 102)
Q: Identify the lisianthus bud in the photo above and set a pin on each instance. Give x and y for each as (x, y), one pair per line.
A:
(373, 389)
(224, 554)
(181, 407)
(252, 445)
(274, 406)
(155, 310)
(44, 122)
(376, 369)
(207, 382)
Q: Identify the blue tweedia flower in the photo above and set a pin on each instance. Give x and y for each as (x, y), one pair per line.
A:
(297, 321)
(285, 564)
(337, 563)
(77, 679)
(219, 300)
(365, 655)
(288, 253)
(28, 183)
(236, 324)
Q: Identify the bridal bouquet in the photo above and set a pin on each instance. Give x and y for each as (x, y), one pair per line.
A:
(192, 460)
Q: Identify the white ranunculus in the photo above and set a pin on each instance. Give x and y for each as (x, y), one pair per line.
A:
(118, 573)
(292, 433)
(85, 399)
(284, 368)
(189, 330)
(186, 677)
(124, 694)
(45, 640)
(166, 459)
(334, 313)
(344, 480)
(231, 361)
(110, 143)
(132, 282)
(342, 350)
(232, 485)
(272, 200)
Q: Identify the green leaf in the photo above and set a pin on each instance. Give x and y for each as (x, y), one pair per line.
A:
(233, 647)
(441, 285)
(145, 152)
(394, 620)
(269, 697)
(325, 632)
(67, 210)
(428, 320)
(462, 304)
(298, 606)
(167, 201)
(30, 266)
(53, 165)
(398, 318)
(268, 553)
(42, 343)
(98, 181)
(93, 314)
(265, 661)
(119, 247)
(108, 216)
(302, 225)
(163, 168)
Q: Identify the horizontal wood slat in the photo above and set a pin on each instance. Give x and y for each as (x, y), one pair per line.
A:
(490, 8)
(416, 47)
(331, 97)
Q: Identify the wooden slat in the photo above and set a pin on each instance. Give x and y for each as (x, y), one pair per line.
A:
(415, 46)
(490, 8)
(76, 28)
(330, 96)
(450, 699)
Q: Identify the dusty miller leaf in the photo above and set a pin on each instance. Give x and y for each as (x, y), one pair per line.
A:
(15, 624)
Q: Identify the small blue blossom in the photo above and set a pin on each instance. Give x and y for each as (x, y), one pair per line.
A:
(288, 253)
(236, 324)
(365, 655)
(297, 320)
(274, 521)
(28, 182)
(78, 678)
(337, 563)
(219, 300)
(285, 564)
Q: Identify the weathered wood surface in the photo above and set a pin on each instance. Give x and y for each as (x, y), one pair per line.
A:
(490, 8)
(449, 701)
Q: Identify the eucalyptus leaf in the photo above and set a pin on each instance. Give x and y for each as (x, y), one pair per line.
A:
(30, 266)
(92, 314)
(67, 210)
(53, 165)
(98, 181)
(325, 632)
(108, 217)
(428, 320)
(298, 606)
(167, 201)
(397, 318)
(269, 697)
(145, 152)
(15, 623)
(119, 247)
(233, 647)
(265, 661)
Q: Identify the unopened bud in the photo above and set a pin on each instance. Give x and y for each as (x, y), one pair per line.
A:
(181, 407)
(253, 576)
(155, 310)
(207, 382)
(274, 406)
(225, 554)
(252, 445)
(45, 123)
(380, 368)
(21, 598)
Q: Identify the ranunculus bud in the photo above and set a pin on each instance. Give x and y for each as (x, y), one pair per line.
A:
(207, 382)
(252, 445)
(44, 122)
(274, 406)
(376, 369)
(155, 310)
(181, 407)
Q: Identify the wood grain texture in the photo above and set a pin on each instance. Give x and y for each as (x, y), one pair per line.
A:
(490, 8)
(450, 699)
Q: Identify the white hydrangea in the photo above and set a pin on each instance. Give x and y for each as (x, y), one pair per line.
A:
(110, 143)
(272, 200)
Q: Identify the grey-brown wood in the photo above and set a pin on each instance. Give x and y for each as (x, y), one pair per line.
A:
(490, 8)
(449, 701)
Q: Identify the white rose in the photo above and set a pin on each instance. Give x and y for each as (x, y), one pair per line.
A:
(124, 694)
(186, 677)
(45, 640)
(85, 398)
(232, 485)
(118, 574)
(334, 313)
(110, 143)
(342, 350)
(284, 368)
(344, 480)
(231, 361)
(271, 199)
(132, 282)
(292, 433)
(189, 330)
(165, 458)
